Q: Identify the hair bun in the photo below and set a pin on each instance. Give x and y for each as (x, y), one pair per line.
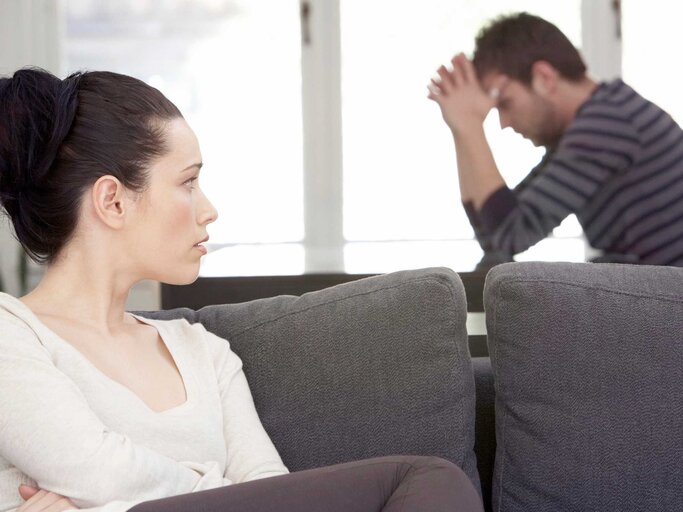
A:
(36, 113)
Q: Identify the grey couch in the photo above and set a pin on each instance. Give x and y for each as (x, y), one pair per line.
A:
(583, 390)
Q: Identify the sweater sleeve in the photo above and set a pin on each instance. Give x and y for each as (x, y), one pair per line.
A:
(49, 432)
(250, 452)
(479, 233)
(584, 162)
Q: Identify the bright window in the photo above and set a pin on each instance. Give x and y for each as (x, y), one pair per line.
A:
(234, 67)
(650, 33)
(234, 70)
(400, 174)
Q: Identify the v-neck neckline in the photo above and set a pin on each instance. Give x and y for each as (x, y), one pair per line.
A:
(161, 332)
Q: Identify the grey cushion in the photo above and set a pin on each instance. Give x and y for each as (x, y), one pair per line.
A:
(374, 367)
(588, 367)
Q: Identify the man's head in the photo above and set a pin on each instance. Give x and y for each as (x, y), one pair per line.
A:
(528, 64)
(512, 44)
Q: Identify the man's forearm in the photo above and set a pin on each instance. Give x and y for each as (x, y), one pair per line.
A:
(464, 105)
(477, 171)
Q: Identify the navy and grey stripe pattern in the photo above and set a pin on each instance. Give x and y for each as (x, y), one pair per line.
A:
(618, 167)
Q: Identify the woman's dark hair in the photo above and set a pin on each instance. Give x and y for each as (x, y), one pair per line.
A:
(58, 137)
(511, 44)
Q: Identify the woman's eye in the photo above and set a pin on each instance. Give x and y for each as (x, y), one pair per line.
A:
(191, 182)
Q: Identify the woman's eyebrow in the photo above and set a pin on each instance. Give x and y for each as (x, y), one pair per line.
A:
(198, 166)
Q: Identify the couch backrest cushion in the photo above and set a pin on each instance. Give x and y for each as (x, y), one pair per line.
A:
(373, 367)
(588, 368)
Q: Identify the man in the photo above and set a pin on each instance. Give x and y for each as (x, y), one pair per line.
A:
(613, 158)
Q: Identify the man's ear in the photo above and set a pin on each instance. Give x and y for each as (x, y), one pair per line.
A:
(109, 201)
(544, 78)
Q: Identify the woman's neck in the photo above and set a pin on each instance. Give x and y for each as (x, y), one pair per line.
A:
(84, 289)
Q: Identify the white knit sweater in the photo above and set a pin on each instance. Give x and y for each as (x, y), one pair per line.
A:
(67, 428)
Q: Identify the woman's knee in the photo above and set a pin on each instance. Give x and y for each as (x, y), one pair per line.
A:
(408, 465)
(442, 483)
(431, 462)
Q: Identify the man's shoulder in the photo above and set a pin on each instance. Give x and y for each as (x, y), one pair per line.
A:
(615, 97)
(617, 106)
(614, 90)
(614, 109)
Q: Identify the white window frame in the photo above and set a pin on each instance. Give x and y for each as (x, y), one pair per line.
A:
(322, 127)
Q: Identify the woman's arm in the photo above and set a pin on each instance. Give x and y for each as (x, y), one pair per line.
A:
(49, 432)
(250, 452)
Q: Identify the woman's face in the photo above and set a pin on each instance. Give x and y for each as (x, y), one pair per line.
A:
(171, 215)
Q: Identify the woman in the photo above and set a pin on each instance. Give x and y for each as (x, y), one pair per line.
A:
(104, 410)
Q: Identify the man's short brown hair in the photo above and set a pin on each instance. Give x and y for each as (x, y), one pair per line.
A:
(512, 44)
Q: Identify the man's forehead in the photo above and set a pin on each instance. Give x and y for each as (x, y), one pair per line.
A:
(493, 82)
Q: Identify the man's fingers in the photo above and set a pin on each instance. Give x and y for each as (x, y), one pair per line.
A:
(434, 94)
(465, 69)
(461, 68)
(446, 83)
(435, 84)
(469, 71)
(434, 88)
(457, 59)
(458, 76)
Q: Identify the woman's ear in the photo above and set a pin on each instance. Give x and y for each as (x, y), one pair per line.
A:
(544, 78)
(109, 201)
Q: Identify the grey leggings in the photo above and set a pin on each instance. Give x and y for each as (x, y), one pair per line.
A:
(386, 484)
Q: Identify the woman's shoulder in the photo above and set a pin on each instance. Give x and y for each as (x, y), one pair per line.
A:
(179, 327)
(8, 301)
(17, 329)
(191, 335)
(13, 312)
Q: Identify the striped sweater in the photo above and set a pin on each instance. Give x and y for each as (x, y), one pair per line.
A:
(618, 167)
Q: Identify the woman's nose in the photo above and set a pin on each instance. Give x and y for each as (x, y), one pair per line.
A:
(207, 212)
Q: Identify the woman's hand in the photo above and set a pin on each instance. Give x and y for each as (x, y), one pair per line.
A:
(462, 99)
(38, 500)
